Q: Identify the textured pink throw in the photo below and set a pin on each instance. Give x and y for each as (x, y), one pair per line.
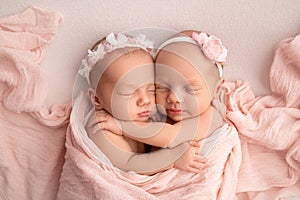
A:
(32, 137)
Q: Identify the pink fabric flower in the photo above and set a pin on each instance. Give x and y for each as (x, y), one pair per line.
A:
(200, 38)
(212, 47)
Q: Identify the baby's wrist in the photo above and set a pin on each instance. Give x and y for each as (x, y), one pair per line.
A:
(119, 125)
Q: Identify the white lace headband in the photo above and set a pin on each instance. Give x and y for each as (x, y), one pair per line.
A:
(211, 47)
(112, 42)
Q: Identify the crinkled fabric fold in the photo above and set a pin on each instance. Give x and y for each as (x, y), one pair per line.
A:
(269, 129)
(32, 152)
(23, 39)
(32, 136)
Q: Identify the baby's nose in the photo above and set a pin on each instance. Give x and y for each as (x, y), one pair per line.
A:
(144, 99)
(175, 96)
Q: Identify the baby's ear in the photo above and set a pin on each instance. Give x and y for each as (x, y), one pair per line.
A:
(93, 98)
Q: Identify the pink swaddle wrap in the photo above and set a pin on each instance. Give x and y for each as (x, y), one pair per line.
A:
(88, 173)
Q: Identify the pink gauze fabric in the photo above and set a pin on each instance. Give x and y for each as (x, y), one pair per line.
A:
(269, 129)
(32, 136)
(23, 39)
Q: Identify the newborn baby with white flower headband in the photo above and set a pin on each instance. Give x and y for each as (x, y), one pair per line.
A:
(189, 77)
(120, 72)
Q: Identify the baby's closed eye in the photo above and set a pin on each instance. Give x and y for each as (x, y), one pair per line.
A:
(193, 88)
(161, 88)
(126, 93)
(151, 89)
(126, 90)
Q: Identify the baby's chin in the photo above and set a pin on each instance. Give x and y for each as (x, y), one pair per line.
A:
(181, 117)
(140, 119)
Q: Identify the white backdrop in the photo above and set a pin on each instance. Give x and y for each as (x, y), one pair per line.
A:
(249, 29)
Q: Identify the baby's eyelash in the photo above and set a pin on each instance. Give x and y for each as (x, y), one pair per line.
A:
(193, 88)
(162, 89)
(151, 90)
(126, 93)
(160, 86)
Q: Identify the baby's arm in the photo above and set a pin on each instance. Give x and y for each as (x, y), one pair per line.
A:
(185, 156)
(161, 134)
(158, 133)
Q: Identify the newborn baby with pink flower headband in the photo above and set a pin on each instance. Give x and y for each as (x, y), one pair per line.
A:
(120, 73)
(188, 79)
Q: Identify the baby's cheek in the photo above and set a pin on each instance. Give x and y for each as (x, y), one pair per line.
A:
(192, 104)
(160, 98)
(120, 107)
(153, 100)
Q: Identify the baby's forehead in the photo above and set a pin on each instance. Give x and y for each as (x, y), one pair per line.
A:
(103, 68)
(183, 51)
(130, 62)
(182, 75)
(175, 65)
(122, 59)
(185, 55)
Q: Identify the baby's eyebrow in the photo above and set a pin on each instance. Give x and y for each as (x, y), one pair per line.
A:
(135, 86)
(161, 80)
(129, 84)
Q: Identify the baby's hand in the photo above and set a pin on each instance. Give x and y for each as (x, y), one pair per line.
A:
(190, 160)
(92, 126)
(107, 122)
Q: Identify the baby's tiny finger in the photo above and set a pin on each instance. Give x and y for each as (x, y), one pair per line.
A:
(197, 165)
(194, 169)
(102, 125)
(95, 129)
(201, 160)
(194, 144)
(101, 111)
(204, 159)
(92, 122)
(102, 118)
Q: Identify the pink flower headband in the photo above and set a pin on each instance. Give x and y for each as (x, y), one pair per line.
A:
(211, 47)
(112, 42)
